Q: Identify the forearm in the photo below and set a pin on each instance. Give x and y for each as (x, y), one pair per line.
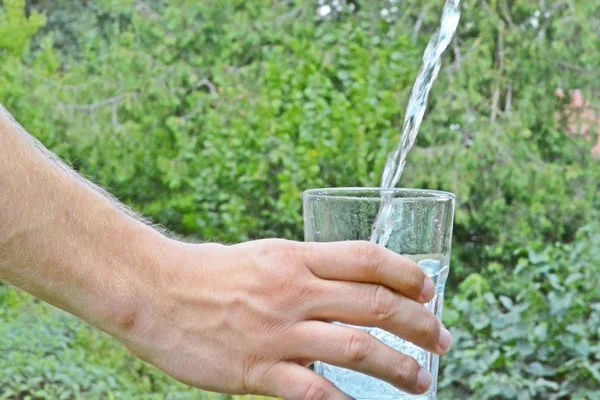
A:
(239, 319)
(65, 242)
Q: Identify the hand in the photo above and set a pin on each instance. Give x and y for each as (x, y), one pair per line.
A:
(240, 319)
(249, 318)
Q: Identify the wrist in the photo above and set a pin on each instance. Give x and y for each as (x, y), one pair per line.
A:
(129, 285)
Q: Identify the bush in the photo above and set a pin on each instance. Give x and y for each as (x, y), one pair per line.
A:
(47, 354)
(213, 117)
(532, 334)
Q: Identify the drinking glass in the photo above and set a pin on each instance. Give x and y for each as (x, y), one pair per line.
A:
(421, 230)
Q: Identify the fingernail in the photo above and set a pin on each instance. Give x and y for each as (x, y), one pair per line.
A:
(445, 341)
(428, 289)
(423, 380)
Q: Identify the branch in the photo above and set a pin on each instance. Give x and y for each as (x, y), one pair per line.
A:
(576, 68)
(101, 103)
(61, 86)
(289, 15)
(188, 116)
(115, 116)
(495, 102)
(212, 89)
(419, 23)
(508, 103)
(500, 62)
(504, 10)
(407, 12)
(548, 21)
(455, 66)
(500, 51)
(433, 151)
(144, 6)
(457, 56)
(94, 122)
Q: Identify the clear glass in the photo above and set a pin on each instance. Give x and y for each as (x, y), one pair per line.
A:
(421, 230)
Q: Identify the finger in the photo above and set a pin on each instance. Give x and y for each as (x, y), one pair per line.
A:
(375, 305)
(292, 381)
(359, 351)
(361, 261)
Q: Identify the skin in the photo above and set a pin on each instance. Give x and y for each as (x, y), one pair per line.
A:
(240, 319)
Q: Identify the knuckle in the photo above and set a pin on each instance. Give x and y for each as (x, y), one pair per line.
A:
(370, 256)
(382, 303)
(363, 250)
(430, 328)
(407, 372)
(249, 379)
(282, 286)
(359, 347)
(299, 254)
(316, 390)
(291, 290)
(313, 288)
(292, 250)
(291, 283)
(415, 279)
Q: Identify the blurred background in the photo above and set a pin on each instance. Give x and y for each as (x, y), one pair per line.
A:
(211, 117)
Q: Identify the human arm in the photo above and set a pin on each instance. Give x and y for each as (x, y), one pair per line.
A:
(237, 319)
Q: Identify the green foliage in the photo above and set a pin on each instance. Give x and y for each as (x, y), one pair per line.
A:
(16, 29)
(535, 336)
(212, 117)
(47, 354)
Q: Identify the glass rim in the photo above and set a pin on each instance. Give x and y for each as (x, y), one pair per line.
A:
(412, 194)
